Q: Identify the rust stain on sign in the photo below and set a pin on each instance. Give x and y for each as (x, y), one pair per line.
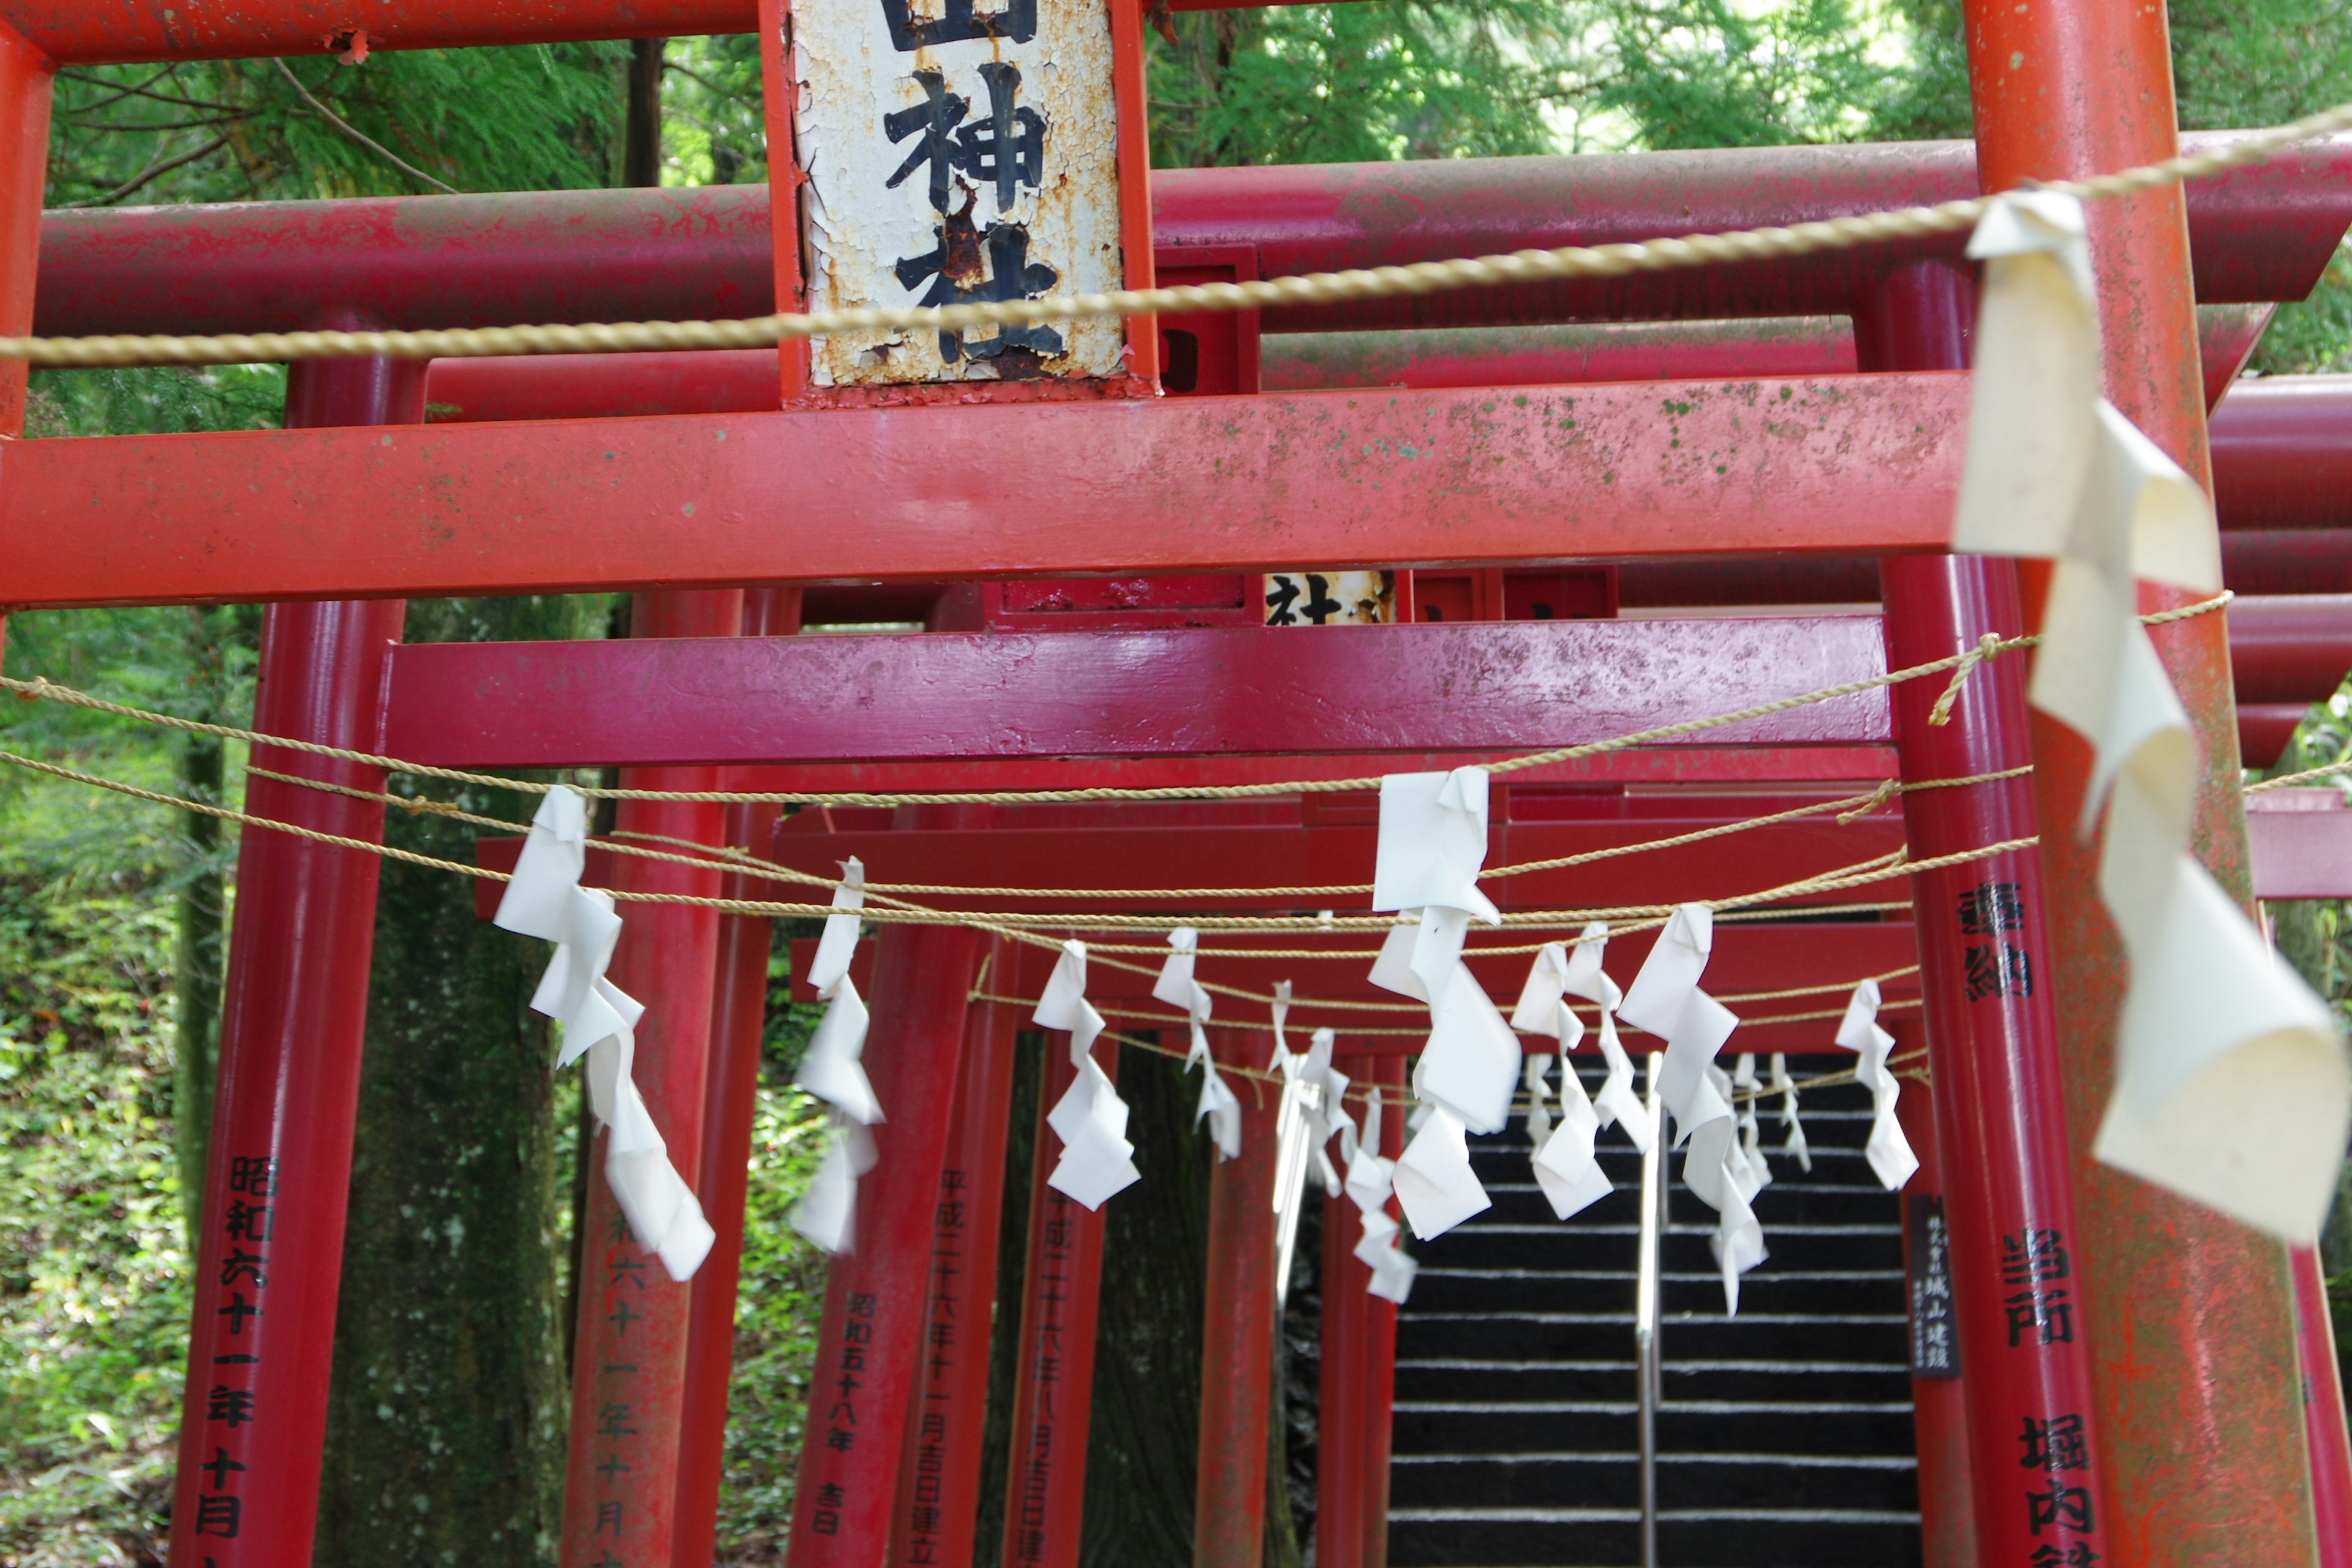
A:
(955, 153)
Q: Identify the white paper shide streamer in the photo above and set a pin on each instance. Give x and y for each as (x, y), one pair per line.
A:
(1565, 1167)
(834, 1070)
(1786, 1088)
(1369, 1180)
(1432, 843)
(1303, 1122)
(2232, 1084)
(1667, 1000)
(546, 900)
(1090, 1119)
(1177, 988)
(1890, 1153)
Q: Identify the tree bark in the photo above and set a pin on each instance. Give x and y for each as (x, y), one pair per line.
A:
(447, 1433)
(641, 143)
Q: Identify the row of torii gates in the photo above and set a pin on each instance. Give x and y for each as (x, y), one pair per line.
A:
(1084, 554)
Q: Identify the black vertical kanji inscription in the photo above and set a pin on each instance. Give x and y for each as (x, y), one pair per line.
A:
(1017, 23)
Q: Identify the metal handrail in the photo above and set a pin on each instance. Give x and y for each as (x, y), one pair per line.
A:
(1646, 1308)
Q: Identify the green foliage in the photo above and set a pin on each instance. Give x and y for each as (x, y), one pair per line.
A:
(714, 130)
(780, 1298)
(1375, 80)
(1712, 73)
(534, 118)
(93, 1283)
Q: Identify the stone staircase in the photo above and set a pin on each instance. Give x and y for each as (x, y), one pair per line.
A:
(1785, 1437)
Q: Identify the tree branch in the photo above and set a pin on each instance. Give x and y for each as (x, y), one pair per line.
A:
(378, 148)
(160, 167)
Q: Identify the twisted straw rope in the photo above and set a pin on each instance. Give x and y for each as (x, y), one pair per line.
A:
(1313, 289)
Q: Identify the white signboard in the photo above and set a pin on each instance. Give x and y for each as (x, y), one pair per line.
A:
(1330, 599)
(957, 153)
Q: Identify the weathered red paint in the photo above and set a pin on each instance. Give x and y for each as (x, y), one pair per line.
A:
(1410, 688)
(2269, 235)
(1053, 1385)
(1939, 1410)
(731, 1104)
(76, 32)
(1653, 764)
(1237, 1337)
(876, 1301)
(2190, 1316)
(1833, 465)
(1380, 1342)
(2262, 234)
(2324, 1426)
(254, 1418)
(24, 91)
(1341, 1480)
(2282, 453)
(629, 1346)
(936, 1518)
(1993, 1049)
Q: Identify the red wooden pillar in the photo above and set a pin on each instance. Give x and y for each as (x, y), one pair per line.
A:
(2324, 1419)
(1986, 981)
(1238, 1338)
(2190, 1316)
(730, 1106)
(1339, 1453)
(1939, 1412)
(1381, 1339)
(293, 1023)
(628, 1364)
(936, 1520)
(1053, 1391)
(874, 1302)
(25, 78)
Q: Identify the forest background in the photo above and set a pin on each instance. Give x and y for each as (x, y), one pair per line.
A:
(451, 1390)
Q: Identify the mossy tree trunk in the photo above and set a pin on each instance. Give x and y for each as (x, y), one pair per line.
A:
(447, 1433)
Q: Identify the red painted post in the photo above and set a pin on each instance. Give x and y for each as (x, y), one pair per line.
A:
(269, 1266)
(936, 1520)
(2324, 1419)
(730, 1106)
(1380, 1340)
(1939, 1412)
(25, 78)
(2190, 1316)
(1238, 1338)
(628, 1362)
(873, 1309)
(1339, 1471)
(1053, 1391)
(1987, 982)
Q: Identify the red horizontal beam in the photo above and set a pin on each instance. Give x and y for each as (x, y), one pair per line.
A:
(2282, 453)
(98, 32)
(2290, 648)
(1524, 685)
(1836, 466)
(2262, 233)
(1642, 765)
(1274, 854)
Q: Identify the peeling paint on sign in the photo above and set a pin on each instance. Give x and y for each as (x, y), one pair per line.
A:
(1331, 598)
(955, 153)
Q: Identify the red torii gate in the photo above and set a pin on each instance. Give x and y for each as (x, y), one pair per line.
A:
(216, 527)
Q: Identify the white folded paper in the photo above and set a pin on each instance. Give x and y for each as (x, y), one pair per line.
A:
(1299, 1132)
(1666, 1000)
(1090, 1119)
(1534, 1078)
(1565, 1166)
(1434, 1180)
(1786, 1087)
(1432, 843)
(1890, 1153)
(1619, 1103)
(599, 1020)
(2231, 1083)
(1368, 1186)
(1219, 1106)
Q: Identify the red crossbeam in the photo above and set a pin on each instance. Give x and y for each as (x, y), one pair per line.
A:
(1524, 684)
(2259, 234)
